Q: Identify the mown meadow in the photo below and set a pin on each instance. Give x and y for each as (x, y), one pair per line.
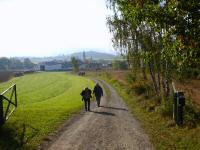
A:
(45, 101)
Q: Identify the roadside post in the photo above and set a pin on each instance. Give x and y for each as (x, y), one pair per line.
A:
(175, 105)
(178, 105)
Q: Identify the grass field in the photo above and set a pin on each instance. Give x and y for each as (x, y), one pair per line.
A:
(46, 100)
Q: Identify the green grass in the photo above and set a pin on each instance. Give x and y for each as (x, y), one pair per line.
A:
(45, 100)
(163, 132)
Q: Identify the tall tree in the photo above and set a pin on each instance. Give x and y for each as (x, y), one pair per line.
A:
(75, 64)
(28, 64)
(4, 63)
(16, 64)
(161, 35)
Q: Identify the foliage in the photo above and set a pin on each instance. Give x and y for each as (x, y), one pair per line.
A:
(140, 87)
(162, 36)
(75, 63)
(4, 63)
(15, 64)
(189, 73)
(119, 65)
(131, 78)
(51, 99)
(167, 107)
(28, 64)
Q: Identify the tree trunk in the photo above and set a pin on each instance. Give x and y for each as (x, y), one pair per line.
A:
(165, 80)
(153, 76)
(142, 66)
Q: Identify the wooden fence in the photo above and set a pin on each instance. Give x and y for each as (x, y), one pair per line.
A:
(8, 103)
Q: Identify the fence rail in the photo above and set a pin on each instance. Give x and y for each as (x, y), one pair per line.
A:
(6, 110)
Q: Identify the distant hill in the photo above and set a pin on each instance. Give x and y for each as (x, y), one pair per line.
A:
(89, 54)
(94, 55)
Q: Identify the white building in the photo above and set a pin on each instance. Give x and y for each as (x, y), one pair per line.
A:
(51, 66)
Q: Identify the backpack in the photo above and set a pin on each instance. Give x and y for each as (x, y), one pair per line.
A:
(87, 94)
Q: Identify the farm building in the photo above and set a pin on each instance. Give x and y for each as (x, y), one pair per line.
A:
(90, 66)
(50, 66)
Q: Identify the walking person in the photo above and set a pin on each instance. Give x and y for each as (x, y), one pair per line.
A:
(86, 95)
(98, 93)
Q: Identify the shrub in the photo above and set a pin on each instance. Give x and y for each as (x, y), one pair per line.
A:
(190, 73)
(140, 87)
(198, 77)
(167, 107)
(5, 75)
(192, 114)
(131, 78)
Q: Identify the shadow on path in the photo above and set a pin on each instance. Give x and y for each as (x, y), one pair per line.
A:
(116, 108)
(103, 113)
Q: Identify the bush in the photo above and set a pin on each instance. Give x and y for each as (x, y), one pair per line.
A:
(19, 74)
(192, 115)
(140, 87)
(5, 75)
(167, 107)
(190, 73)
(198, 77)
(120, 65)
(108, 75)
(130, 77)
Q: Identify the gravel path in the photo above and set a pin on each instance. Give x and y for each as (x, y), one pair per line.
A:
(109, 127)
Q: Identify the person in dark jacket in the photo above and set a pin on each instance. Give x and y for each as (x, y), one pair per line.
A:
(86, 95)
(98, 93)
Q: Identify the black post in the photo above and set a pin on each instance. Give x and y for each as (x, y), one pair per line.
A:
(175, 106)
(180, 105)
(1, 111)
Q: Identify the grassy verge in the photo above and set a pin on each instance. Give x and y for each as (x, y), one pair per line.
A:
(46, 100)
(163, 132)
(107, 90)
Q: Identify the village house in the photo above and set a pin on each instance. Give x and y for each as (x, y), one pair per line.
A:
(51, 66)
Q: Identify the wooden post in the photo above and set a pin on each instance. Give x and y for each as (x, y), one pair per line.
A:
(15, 88)
(1, 111)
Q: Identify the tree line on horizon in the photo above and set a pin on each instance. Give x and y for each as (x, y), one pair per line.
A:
(7, 64)
(158, 37)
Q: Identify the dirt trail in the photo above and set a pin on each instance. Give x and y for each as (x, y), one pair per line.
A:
(109, 127)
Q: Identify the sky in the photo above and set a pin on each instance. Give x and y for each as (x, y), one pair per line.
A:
(53, 27)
